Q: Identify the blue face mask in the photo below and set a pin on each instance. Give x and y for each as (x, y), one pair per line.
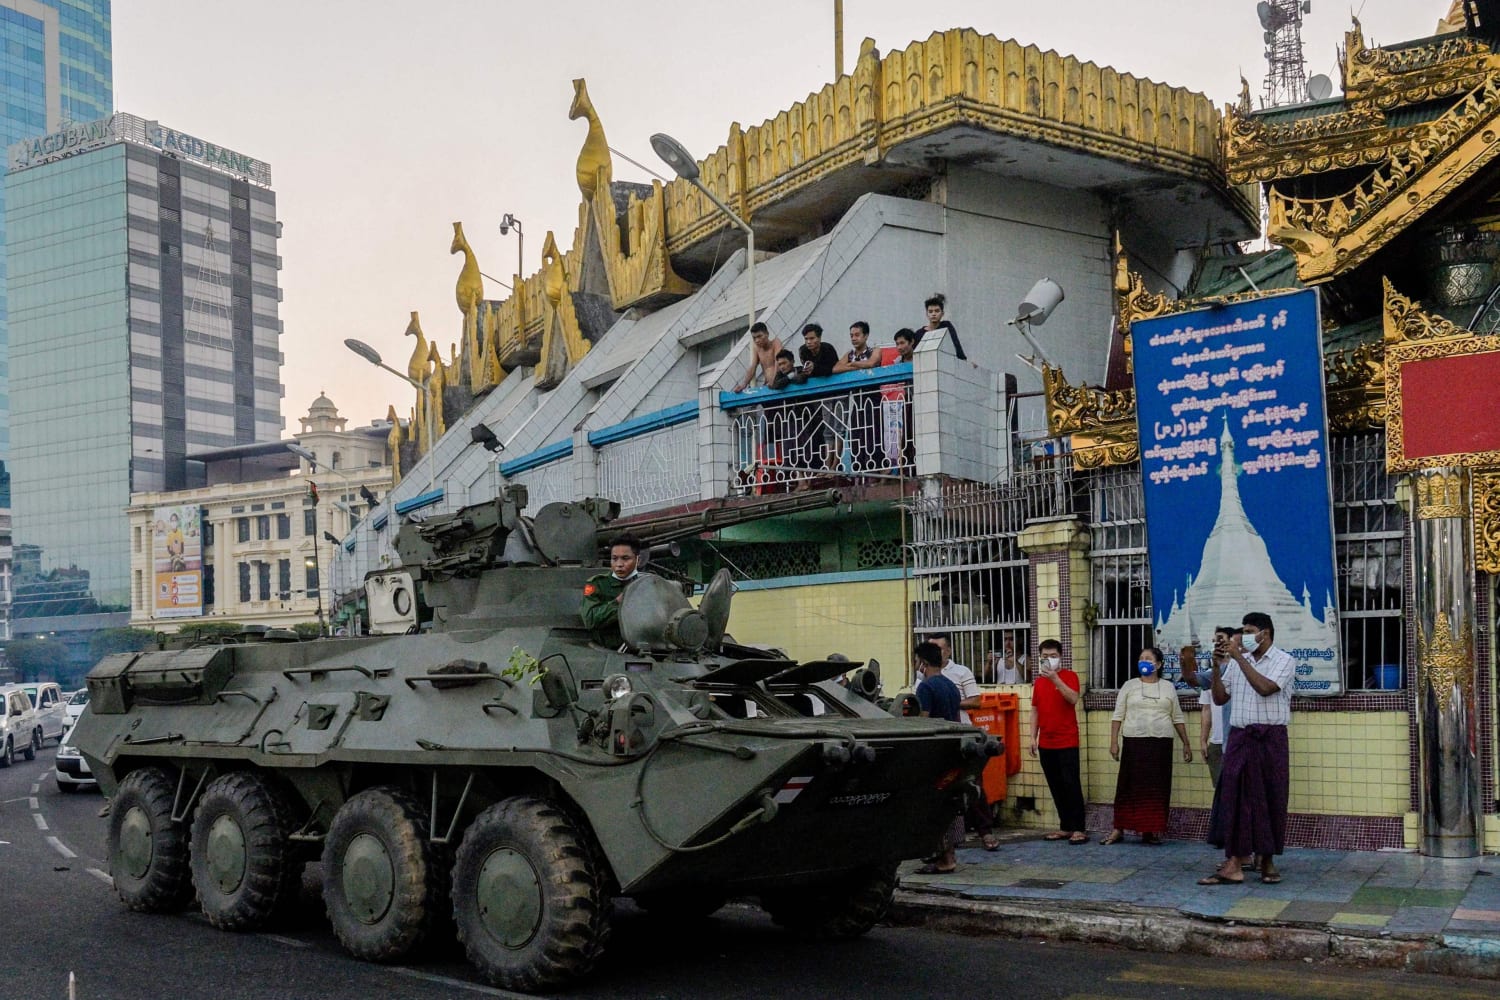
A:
(1146, 667)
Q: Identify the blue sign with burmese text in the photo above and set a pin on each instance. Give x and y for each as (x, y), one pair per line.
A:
(1234, 460)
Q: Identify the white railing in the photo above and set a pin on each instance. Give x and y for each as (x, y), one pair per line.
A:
(809, 432)
(651, 470)
(547, 484)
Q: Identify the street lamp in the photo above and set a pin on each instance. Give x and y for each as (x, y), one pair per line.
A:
(369, 353)
(507, 223)
(312, 563)
(676, 156)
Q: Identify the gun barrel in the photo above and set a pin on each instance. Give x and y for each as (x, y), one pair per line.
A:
(660, 530)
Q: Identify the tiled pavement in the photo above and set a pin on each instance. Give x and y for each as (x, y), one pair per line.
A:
(1383, 895)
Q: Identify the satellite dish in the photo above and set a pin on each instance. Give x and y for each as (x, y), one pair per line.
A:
(1319, 87)
(1263, 11)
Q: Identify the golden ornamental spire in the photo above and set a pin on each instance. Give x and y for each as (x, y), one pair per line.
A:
(470, 295)
(393, 444)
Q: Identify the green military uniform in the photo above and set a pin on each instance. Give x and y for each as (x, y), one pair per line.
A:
(598, 608)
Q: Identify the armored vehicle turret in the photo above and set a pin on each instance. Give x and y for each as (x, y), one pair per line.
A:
(481, 762)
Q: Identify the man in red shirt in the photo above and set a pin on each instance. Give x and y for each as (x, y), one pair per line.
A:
(1054, 738)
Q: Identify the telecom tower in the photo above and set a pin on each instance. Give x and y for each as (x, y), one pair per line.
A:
(1286, 75)
(208, 302)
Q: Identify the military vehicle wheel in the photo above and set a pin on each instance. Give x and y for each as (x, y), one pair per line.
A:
(148, 853)
(8, 755)
(845, 908)
(529, 896)
(683, 904)
(385, 884)
(244, 868)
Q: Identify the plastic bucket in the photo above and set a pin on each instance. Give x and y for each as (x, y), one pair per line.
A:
(1388, 677)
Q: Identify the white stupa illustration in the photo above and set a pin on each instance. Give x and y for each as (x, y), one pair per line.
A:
(1236, 576)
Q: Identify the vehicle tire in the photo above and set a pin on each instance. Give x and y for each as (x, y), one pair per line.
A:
(529, 896)
(29, 752)
(385, 884)
(8, 753)
(845, 908)
(148, 853)
(683, 904)
(245, 869)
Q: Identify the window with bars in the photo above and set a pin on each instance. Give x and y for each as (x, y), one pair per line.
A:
(1119, 609)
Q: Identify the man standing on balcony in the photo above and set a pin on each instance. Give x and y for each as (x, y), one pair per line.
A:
(818, 358)
(859, 414)
(763, 351)
(861, 355)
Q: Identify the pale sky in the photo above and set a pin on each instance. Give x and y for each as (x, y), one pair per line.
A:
(384, 122)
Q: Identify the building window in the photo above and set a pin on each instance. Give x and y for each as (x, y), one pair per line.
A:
(310, 521)
(208, 586)
(334, 464)
(242, 527)
(263, 527)
(208, 534)
(284, 578)
(140, 590)
(312, 580)
(263, 578)
(171, 250)
(284, 527)
(244, 583)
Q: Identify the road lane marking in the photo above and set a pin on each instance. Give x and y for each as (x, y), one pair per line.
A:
(1289, 984)
(32, 803)
(36, 786)
(60, 847)
(18, 798)
(41, 822)
(102, 876)
(292, 942)
(488, 991)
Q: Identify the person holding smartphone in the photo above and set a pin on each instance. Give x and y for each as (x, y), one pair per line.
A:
(1054, 738)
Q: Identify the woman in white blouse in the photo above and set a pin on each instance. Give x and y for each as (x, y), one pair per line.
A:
(1146, 713)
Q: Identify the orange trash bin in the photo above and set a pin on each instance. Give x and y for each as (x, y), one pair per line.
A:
(999, 714)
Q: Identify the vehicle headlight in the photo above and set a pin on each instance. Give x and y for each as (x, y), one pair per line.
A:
(66, 752)
(616, 686)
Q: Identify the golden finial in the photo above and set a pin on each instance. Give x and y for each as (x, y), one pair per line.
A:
(470, 290)
(595, 153)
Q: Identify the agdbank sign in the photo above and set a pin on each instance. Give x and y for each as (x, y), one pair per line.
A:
(193, 148)
(73, 139)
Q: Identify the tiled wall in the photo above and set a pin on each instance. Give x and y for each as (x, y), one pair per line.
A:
(860, 620)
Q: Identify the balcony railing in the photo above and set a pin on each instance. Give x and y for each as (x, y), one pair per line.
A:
(651, 462)
(855, 425)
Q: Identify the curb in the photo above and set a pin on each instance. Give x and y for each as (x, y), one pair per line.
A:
(1169, 931)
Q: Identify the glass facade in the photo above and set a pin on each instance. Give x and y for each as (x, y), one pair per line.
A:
(68, 245)
(55, 67)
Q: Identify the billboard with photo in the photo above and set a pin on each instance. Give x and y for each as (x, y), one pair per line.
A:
(1234, 462)
(177, 562)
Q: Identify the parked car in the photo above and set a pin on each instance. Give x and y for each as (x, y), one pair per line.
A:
(51, 709)
(75, 706)
(72, 770)
(18, 732)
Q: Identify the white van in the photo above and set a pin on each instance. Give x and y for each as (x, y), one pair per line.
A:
(18, 732)
(51, 709)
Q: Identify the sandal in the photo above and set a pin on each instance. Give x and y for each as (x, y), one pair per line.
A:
(1151, 839)
(1078, 838)
(1217, 879)
(1270, 878)
(935, 870)
(1113, 837)
(991, 842)
(1056, 836)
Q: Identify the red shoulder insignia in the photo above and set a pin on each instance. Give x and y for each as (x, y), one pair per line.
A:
(589, 590)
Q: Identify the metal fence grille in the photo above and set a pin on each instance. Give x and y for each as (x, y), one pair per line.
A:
(1119, 611)
(781, 443)
(546, 484)
(1369, 533)
(652, 470)
(970, 576)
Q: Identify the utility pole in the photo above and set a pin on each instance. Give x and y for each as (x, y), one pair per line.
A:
(838, 38)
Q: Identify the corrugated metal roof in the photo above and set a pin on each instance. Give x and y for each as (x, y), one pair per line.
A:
(1222, 275)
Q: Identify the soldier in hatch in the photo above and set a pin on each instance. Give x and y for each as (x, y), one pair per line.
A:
(600, 608)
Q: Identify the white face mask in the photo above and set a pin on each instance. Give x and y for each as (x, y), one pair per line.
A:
(1053, 662)
(1250, 642)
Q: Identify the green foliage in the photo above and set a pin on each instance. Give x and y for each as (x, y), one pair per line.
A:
(307, 630)
(524, 668)
(120, 640)
(36, 658)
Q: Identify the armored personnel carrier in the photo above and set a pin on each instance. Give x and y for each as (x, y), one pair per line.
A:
(480, 764)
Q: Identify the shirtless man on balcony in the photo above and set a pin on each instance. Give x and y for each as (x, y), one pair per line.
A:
(763, 351)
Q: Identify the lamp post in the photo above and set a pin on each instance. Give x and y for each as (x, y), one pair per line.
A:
(507, 223)
(312, 564)
(676, 156)
(371, 355)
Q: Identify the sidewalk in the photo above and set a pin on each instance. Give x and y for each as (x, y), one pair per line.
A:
(1397, 910)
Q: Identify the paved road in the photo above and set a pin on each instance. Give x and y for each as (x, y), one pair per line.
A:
(61, 915)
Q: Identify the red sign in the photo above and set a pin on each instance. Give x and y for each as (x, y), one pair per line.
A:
(1444, 401)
